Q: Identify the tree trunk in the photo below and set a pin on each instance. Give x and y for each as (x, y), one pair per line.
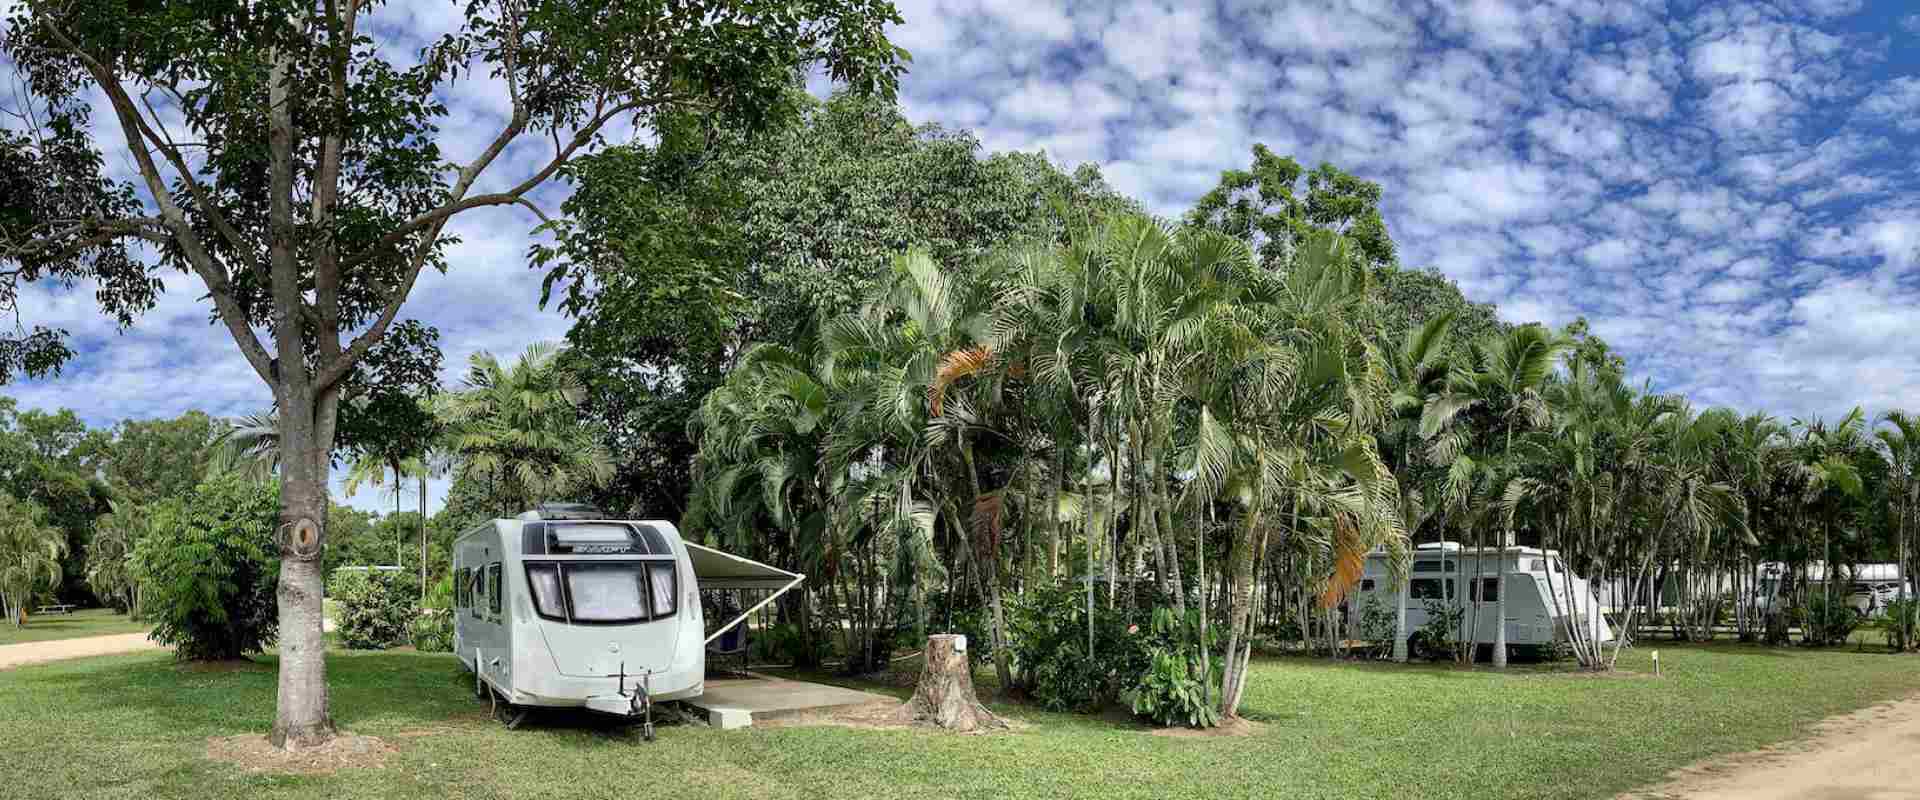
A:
(302, 718)
(1400, 618)
(423, 538)
(944, 695)
(1240, 604)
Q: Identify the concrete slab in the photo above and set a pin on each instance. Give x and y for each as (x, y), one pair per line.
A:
(737, 702)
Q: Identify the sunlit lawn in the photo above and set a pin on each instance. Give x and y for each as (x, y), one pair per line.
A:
(137, 725)
(91, 622)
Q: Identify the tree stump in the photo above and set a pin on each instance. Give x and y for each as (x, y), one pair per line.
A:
(945, 694)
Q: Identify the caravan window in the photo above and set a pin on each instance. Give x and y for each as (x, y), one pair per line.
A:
(1431, 566)
(1430, 589)
(545, 580)
(1489, 590)
(661, 578)
(493, 588)
(604, 593)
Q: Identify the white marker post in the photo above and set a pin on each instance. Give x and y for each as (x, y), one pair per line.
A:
(1656, 663)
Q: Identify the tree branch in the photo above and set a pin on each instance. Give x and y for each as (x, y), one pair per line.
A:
(191, 247)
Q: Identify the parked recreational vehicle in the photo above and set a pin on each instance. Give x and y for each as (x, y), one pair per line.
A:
(1868, 588)
(1536, 615)
(560, 607)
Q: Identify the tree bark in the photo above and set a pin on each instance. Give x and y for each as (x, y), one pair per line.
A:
(1240, 604)
(944, 695)
(423, 537)
(302, 718)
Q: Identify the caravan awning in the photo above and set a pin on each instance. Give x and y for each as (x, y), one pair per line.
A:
(715, 569)
(721, 570)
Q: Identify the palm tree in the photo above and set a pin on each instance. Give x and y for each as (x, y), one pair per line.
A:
(30, 551)
(1830, 479)
(374, 469)
(518, 431)
(1505, 379)
(248, 444)
(1418, 369)
(1899, 438)
(109, 553)
(1292, 395)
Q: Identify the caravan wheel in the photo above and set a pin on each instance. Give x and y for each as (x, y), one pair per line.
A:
(1417, 649)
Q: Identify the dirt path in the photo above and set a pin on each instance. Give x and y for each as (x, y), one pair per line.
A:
(14, 655)
(1870, 754)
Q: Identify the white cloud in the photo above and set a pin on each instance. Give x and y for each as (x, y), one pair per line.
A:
(1724, 189)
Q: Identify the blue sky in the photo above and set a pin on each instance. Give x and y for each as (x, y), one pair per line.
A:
(1726, 190)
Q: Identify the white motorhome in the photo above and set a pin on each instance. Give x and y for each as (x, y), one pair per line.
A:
(1868, 588)
(562, 608)
(1537, 616)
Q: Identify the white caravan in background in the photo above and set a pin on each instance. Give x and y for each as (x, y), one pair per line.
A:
(1537, 616)
(561, 608)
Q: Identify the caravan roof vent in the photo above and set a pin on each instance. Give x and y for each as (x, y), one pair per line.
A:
(563, 511)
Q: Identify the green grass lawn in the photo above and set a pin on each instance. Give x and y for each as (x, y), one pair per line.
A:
(137, 725)
(91, 622)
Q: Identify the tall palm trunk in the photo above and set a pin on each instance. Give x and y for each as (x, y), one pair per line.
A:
(1239, 605)
(1089, 523)
(423, 537)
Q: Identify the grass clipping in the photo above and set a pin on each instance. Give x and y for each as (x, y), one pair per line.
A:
(944, 696)
(254, 753)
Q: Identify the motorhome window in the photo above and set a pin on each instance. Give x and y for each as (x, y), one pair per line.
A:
(1366, 585)
(1428, 589)
(1489, 590)
(547, 599)
(493, 588)
(1431, 566)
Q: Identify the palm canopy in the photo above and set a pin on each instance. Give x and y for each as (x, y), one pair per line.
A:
(517, 431)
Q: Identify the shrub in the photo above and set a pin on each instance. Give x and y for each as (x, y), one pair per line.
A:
(1378, 625)
(375, 608)
(208, 566)
(433, 631)
(1830, 624)
(1903, 617)
(1048, 636)
(785, 643)
(1436, 636)
(1177, 688)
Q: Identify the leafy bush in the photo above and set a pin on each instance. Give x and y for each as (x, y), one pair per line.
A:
(374, 608)
(433, 631)
(1048, 636)
(440, 595)
(1903, 618)
(1178, 688)
(208, 566)
(785, 644)
(1436, 636)
(1378, 625)
(1830, 624)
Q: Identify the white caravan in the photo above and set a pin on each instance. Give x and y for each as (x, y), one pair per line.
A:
(1868, 588)
(561, 608)
(1536, 616)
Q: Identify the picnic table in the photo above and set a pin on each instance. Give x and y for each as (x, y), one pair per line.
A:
(56, 608)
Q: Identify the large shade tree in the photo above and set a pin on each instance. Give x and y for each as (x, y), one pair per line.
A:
(294, 164)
